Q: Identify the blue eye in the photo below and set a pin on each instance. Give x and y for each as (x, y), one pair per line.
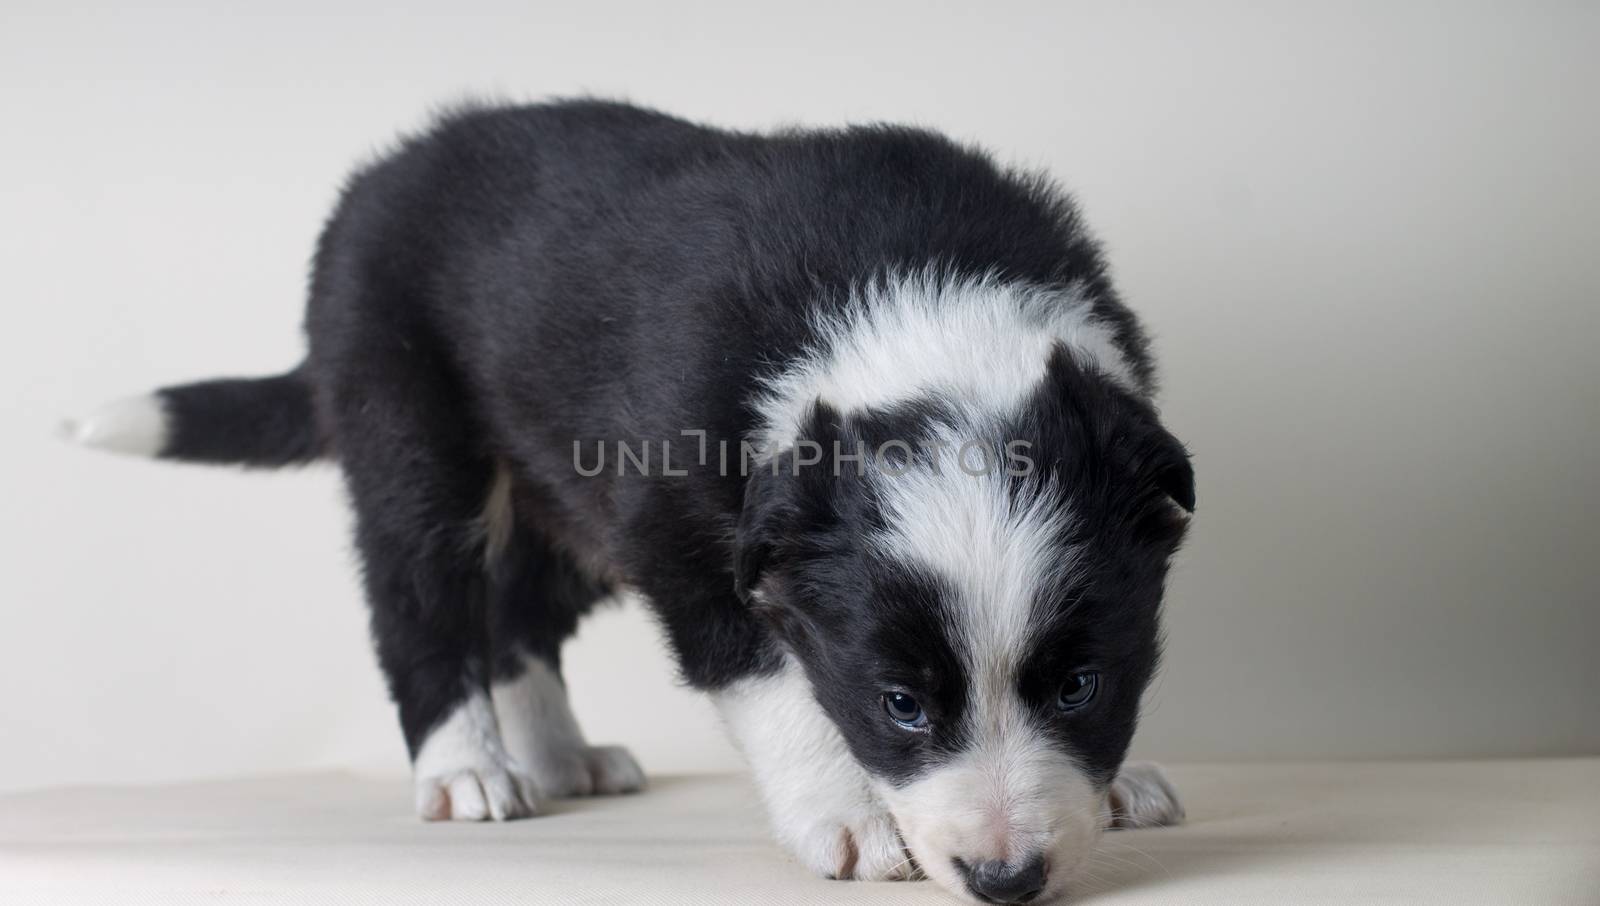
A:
(904, 710)
(1077, 691)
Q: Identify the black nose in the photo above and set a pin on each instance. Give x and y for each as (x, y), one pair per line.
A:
(995, 881)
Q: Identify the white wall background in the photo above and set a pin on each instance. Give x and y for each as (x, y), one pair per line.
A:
(1365, 237)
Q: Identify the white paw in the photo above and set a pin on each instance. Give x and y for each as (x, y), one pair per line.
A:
(821, 802)
(477, 794)
(1141, 796)
(586, 771)
(463, 772)
(864, 849)
(543, 736)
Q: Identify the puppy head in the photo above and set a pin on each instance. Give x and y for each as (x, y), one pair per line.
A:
(980, 638)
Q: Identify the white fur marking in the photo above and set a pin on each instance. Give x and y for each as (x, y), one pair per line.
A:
(498, 518)
(462, 770)
(978, 341)
(1014, 792)
(999, 549)
(542, 735)
(820, 800)
(1010, 796)
(1142, 796)
(137, 426)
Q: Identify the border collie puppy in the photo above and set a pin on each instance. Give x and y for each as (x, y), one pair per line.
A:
(856, 411)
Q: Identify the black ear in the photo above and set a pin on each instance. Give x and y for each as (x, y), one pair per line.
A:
(1163, 469)
(766, 501)
(1175, 475)
(788, 499)
(1168, 497)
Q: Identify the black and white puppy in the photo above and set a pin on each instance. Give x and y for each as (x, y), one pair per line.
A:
(857, 412)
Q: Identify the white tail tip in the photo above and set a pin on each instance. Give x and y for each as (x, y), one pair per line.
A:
(136, 426)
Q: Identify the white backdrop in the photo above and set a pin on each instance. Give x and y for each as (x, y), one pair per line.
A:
(1364, 238)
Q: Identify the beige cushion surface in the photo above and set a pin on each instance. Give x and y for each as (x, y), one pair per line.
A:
(1411, 832)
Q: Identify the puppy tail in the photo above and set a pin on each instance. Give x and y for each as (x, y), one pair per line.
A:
(263, 422)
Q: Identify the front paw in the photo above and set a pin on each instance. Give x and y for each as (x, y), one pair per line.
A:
(463, 772)
(820, 800)
(585, 770)
(1141, 796)
(497, 793)
(864, 848)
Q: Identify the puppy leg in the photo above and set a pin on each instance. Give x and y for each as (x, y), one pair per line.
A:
(543, 736)
(418, 486)
(538, 594)
(820, 800)
(1141, 796)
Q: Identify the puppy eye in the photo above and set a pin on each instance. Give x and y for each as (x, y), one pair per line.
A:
(904, 710)
(1077, 690)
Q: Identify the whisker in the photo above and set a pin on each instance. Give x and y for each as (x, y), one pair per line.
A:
(1129, 846)
(1119, 860)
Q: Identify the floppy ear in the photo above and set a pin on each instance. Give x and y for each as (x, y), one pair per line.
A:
(766, 502)
(1163, 468)
(1174, 476)
(1153, 457)
(786, 500)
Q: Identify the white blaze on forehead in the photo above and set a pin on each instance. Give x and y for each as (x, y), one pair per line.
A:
(980, 343)
(998, 552)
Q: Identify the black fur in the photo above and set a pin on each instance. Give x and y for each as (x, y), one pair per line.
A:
(519, 279)
(247, 421)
